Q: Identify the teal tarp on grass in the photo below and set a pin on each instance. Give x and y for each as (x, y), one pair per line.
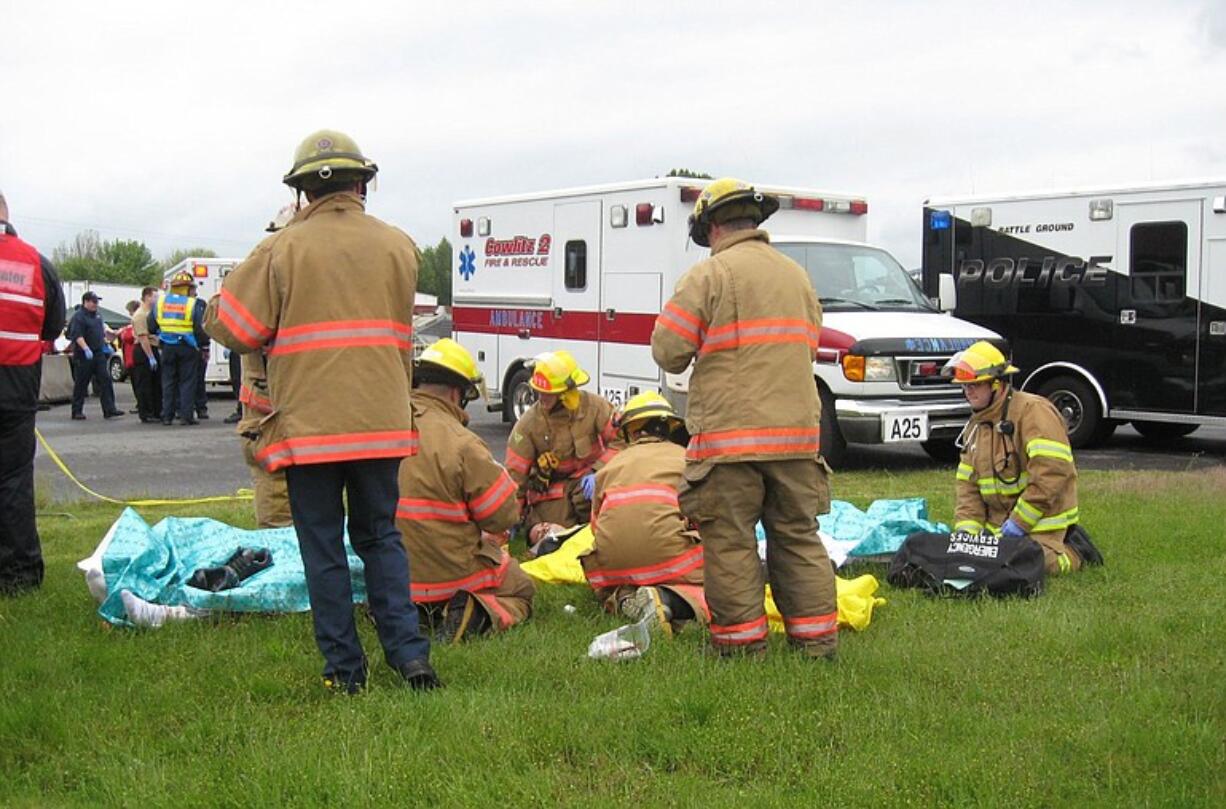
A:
(155, 564)
(879, 530)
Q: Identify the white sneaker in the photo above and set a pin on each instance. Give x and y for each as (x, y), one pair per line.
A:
(144, 613)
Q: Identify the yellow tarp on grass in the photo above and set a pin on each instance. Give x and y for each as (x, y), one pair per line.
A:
(856, 597)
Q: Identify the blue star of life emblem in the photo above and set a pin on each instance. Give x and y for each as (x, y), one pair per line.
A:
(468, 263)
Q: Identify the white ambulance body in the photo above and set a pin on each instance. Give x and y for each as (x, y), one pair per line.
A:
(588, 269)
(208, 273)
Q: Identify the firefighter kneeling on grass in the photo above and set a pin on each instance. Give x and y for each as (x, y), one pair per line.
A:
(646, 557)
(1016, 474)
(454, 499)
(560, 443)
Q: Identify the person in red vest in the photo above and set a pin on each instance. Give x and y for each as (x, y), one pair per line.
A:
(31, 311)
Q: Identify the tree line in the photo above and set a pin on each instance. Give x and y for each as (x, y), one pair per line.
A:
(129, 262)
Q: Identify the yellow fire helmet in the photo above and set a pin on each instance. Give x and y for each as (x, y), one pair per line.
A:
(181, 279)
(556, 372)
(726, 199)
(643, 407)
(327, 155)
(448, 362)
(979, 362)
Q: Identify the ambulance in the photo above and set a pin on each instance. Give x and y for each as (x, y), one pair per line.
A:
(1113, 299)
(209, 273)
(588, 269)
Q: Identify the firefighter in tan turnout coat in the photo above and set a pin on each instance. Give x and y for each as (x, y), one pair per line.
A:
(645, 557)
(1016, 475)
(455, 503)
(559, 443)
(748, 318)
(330, 301)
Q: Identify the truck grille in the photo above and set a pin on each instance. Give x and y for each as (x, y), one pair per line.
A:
(924, 373)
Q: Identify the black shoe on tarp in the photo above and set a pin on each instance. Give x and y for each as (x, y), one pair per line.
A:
(244, 564)
(1078, 539)
(419, 675)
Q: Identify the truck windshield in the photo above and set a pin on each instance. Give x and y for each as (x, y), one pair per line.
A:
(855, 277)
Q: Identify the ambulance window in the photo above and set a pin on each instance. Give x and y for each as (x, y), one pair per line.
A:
(576, 266)
(1159, 260)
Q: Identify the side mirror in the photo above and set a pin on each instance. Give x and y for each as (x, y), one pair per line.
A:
(947, 292)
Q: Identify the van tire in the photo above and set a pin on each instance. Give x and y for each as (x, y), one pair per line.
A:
(833, 445)
(942, 450)
(114, 367)
(1161, 431)
(1083, 416)
(517, 389)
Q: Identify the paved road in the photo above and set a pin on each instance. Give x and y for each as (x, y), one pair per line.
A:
(126, 459)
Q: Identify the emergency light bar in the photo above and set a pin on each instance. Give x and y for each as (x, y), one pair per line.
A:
(855, 207)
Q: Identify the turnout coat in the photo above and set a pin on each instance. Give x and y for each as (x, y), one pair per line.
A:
(330, 299)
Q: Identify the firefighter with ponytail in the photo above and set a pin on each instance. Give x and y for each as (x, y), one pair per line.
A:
(646, 558)
(1016, 474)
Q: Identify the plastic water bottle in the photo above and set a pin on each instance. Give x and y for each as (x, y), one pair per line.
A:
(627, 642)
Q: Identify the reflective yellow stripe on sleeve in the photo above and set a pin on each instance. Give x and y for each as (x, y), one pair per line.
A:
(1057, 522)
(1044, 448)
(965, 471)
(972, 526)
(1027, 514)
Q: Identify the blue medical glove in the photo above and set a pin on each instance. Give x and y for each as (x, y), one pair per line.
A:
(153, 363)
(1012, 529)
(588, 482)
(89, 355)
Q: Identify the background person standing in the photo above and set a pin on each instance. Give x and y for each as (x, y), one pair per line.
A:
(91, 348)
(31, 310)
(146, 381)
(178, 322)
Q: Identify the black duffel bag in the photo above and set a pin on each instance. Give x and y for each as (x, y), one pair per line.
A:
(968, 565)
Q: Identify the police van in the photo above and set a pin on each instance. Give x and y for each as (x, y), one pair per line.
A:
(208, 273)
(588, 269)
(1114, 300)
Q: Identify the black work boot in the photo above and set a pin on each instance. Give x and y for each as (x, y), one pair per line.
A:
(464, 618)
(1078, 539)
(419, 675)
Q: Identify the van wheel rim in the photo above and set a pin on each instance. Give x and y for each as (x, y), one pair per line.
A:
(522, 399)
(1070, 408)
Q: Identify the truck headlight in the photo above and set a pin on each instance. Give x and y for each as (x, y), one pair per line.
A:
(868, 369)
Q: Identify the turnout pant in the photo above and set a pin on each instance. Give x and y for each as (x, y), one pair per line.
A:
(316, 497)
(1058, 557)
(21, 557)
(179, 368)
(147, 386)
(271, 496)
(97, 371)
(786, 496)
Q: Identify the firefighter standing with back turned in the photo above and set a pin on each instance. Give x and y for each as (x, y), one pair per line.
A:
(557, 446)
(749, 320)
(456, 501)
(1016, 474)
(331, 296)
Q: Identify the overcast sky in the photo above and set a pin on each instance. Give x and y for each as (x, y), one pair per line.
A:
(173, 122)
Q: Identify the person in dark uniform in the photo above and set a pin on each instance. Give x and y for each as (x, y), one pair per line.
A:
(31, 310)
(91, 349)
(202, 389)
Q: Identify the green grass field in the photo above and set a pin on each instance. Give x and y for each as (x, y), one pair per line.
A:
(1109, 690)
